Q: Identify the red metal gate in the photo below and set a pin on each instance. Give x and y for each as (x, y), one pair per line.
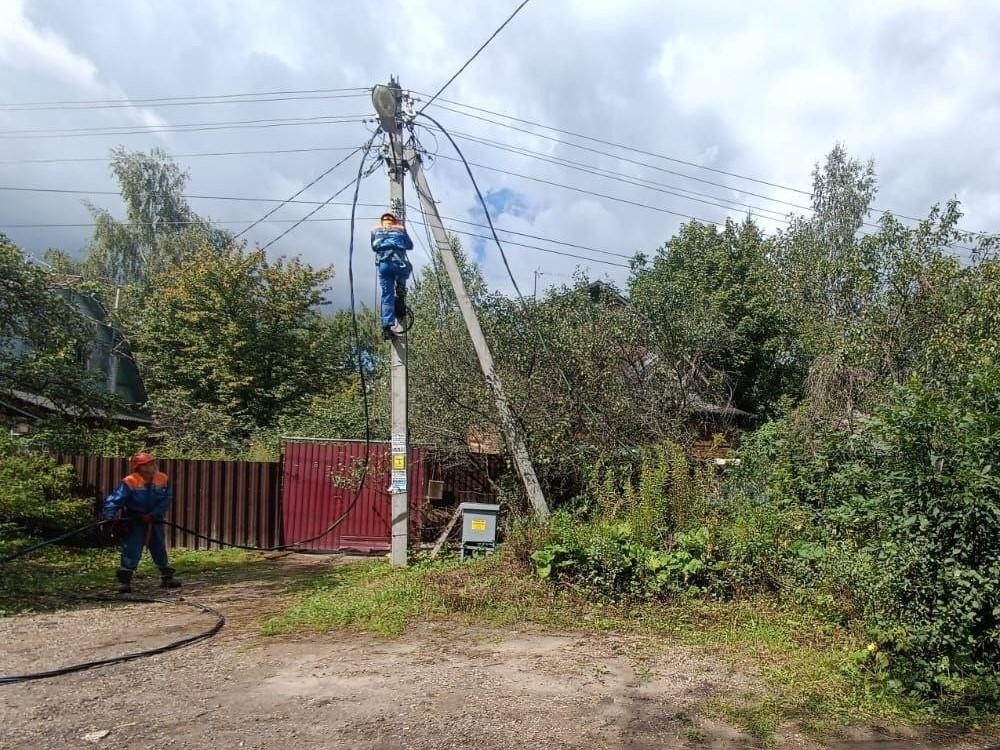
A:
(320, 480)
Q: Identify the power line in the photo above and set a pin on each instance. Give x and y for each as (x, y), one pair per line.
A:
(612, 174)
(595, 194)
(602, 141)
(506, 146)
(534, 247)
(184, 128)
(190, 196)
(258, 152)
(356, 183)
(309, 219)
(558, 161)
(148, 100)
(297, 194)
(644, 205)
(278, 221)
(665, 190)
(194, 102)
(475, 54)
(665, 157)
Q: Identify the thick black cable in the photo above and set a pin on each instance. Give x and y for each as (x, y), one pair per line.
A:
(220, 621)
(220, 618)
(55, 540)
(360, 360)
(364, 393)
(475, 54)
(364, 398)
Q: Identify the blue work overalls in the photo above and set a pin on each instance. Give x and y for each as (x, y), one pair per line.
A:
(390, 245)
(135, 498)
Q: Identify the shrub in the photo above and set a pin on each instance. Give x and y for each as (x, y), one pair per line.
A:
(607, 560)
(37, 497)
(898, 517)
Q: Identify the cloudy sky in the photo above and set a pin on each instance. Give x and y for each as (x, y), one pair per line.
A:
(762, 90)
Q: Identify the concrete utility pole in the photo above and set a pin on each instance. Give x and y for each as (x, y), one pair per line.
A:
(388, 104)
(519, 452)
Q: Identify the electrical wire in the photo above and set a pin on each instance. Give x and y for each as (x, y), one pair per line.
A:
(191, 103)
(475, 54)
(525, 151)
(471, 235)
(665, 157)
(186, 128)
(296, 195)
(191, 196)
(659, 187)
(605, 142)
(197, 154)
(356, 182)
(152, 100)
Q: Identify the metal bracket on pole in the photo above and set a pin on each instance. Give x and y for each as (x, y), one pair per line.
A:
(522, 462)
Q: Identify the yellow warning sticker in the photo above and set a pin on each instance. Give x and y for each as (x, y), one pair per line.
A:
(399, 462)
(478, 524)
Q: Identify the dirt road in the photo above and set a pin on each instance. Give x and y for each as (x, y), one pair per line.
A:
(439, 685)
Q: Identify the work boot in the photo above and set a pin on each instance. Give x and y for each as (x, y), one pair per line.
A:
(124, 577)
(167, 579)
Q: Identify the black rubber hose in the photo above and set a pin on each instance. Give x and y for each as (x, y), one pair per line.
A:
(220, 620)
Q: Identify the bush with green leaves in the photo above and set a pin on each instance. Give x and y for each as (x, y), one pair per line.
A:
(37, 498)
(903, 511)
(607, 560)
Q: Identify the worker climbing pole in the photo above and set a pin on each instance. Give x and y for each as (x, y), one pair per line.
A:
(396, 113)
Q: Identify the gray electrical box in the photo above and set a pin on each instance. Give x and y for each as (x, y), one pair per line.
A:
(479, 527)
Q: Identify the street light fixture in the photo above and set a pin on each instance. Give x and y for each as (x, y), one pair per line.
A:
(385, 99)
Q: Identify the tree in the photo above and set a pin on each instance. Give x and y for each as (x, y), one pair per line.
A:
(160, 231)
(709, 296)
(823, 268)
(44, 342)
(236, 336)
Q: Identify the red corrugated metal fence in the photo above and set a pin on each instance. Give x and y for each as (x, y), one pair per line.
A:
(238, 502)
(271, 503)
(320, 481)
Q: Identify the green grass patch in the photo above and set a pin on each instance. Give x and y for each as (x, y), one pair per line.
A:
(40, 582)
(369, 597)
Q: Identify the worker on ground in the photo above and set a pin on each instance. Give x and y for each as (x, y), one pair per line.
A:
(142, 499)
(390, 243)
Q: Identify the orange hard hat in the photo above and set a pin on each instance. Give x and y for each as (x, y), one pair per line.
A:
(141, 459)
